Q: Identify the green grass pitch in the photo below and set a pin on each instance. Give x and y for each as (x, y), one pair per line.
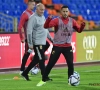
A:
(89, 80)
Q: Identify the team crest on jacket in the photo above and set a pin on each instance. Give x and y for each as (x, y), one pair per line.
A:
(53, 52)
(41, 47)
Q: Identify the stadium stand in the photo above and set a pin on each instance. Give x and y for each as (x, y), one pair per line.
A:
(88, 9)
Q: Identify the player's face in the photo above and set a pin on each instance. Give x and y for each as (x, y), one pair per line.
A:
(40, 10)
(65, 12)
(32, 5)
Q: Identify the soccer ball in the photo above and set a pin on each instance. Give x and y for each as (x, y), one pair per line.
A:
(76, 74)
(34, 71)
(74, 79)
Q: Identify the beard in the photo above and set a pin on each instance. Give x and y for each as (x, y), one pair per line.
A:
(65, 16)
(32, 8)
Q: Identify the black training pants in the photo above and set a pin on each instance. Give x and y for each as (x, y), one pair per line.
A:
(55, 54)
(39, 57)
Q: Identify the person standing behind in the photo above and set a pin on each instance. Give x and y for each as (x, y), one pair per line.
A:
(36, 37)
(64, 27)
(22, 31)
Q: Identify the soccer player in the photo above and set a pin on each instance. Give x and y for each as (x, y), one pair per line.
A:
(36, 37)
(64, 27)
(22, 31)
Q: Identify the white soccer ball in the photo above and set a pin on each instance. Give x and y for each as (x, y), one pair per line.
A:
(34, 71)
(76, 74)
(74, 79)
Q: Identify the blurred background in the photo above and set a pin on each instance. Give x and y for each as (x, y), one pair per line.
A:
(81, 10)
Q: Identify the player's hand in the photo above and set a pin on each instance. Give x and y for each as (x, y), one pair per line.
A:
(22, 41)
(83, 24)
(30, 50)
(50, 16)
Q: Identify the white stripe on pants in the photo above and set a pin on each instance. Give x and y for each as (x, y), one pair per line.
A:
(39, 54)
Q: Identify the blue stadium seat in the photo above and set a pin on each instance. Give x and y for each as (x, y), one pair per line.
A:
(72, 6)
(89, 18)
(94, 12)
(6, 6)
(87, 1)
(85, 17)
(83, 12)
(46, 13)
(96, 18)
(4, 1)
(76, 12)
(81, 7)
(1, 8)
(7, 12)
(97, 6)
(90, 9)
(99, 12)
(0, 2)
(56, 1)
(94, 7)
(17, 13)
(19, 7)
(65, 2)
(88, 6)
(13, 6)
(79, 2)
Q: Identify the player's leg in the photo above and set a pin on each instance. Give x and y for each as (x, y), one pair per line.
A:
(56, 51)
(46, 56)
(46, 46)
(40, 52)
(30, 66)
(38, 58)
(25, 57)
(68, 54)
(35, 60)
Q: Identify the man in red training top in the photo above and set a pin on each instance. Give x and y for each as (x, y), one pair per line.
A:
(64, 27)
(22, 31)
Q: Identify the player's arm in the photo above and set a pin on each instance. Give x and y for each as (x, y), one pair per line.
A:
(77, 27)
(49, 36)
(23, 19)
(51, 22)
(30, 26)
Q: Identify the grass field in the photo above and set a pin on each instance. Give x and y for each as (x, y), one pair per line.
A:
(90, 80)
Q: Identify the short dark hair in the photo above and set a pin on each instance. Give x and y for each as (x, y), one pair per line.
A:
(64, 7)
(31, 1)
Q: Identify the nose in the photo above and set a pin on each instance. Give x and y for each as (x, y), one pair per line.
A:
(42, 11)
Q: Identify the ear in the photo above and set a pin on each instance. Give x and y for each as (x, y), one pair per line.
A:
(26, 1)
